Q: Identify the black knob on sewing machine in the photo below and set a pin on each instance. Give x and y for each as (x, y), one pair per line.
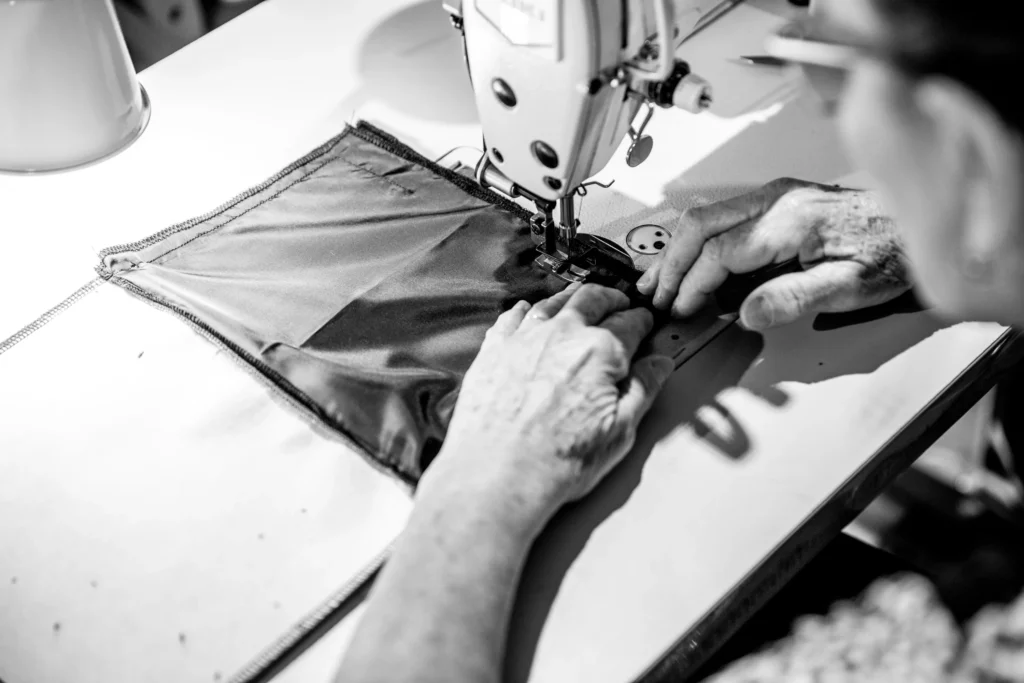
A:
(661, 92)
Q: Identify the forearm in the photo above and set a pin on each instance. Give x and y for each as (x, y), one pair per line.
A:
(440, 609)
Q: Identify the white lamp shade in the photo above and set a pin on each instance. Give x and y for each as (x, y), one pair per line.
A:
(68, 91)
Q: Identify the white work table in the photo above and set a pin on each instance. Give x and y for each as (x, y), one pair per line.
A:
(164, 517)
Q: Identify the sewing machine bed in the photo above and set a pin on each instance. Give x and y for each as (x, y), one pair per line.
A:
(358, 282)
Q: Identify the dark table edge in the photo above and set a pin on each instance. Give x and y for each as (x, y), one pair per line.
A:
(701, 641)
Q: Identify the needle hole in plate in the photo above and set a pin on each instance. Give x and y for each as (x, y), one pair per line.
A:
(647, 239)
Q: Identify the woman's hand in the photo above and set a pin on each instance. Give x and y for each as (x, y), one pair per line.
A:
(552, 402)
(850, 250)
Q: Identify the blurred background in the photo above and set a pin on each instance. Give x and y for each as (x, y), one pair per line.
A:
(154, 29)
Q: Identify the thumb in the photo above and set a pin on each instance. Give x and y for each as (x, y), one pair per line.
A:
(646, 378)
(827, 287)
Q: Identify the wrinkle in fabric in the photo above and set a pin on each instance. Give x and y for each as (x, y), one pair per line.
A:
(359, 281)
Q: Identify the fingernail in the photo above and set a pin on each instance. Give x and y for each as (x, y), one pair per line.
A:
(660, 300)
(664, 366)
(758, 314)
(644, 282)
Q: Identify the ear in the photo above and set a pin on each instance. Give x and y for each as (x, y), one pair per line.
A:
(986, 156)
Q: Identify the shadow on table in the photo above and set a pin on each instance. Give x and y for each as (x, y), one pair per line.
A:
(411, 62)
(729, 356)
(414, 61)
(727, 362)
(787, 143)
(802, 353)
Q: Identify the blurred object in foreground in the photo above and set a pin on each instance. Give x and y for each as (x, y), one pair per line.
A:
(68, 92)
(898, 630)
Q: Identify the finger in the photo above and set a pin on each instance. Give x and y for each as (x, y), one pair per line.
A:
(646, 378)
(703, 278)
(645, 285)
(683, 249)
(548, 308)
(630, 327)
(828, 287)
(699, 224)
(509, 321)
(740, 250)
(593, 303)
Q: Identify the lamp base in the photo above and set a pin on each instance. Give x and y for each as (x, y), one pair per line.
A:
(124, 143)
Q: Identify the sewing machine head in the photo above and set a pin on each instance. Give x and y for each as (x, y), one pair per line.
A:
(558, 84)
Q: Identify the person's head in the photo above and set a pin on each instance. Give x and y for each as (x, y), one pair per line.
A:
(934, 114)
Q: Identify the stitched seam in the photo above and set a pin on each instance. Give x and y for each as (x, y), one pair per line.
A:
(40, 322)
(366, 169)
(147, 242)
(389, 143)
(292, 394)
(233, 218)
(302, 402)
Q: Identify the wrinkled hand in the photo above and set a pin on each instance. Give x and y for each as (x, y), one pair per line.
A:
(553, 399)
(850, 250)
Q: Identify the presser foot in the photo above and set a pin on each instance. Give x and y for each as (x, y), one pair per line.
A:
(588, 258)
(601, 261)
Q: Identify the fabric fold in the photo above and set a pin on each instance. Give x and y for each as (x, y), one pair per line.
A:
(359, 281)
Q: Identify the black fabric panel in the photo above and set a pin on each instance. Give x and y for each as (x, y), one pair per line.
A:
(359, 281)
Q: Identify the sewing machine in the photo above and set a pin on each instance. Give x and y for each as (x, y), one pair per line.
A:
(179, 549)
(558, 85)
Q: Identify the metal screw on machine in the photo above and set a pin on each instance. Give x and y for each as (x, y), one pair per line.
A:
(537, 225)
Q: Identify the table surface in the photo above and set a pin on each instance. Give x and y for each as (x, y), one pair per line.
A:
(164, 517)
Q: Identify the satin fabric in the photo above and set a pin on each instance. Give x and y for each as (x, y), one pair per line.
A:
(359, 281)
